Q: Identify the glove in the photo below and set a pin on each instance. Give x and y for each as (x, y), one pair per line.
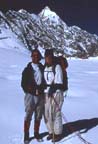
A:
(29, 90)
(37, 92)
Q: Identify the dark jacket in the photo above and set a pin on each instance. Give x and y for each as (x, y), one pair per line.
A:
(28, 82)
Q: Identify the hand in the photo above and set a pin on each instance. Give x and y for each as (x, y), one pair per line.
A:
(37, 92)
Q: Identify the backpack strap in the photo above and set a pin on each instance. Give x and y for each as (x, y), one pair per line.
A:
(56, 86)
(53, 68)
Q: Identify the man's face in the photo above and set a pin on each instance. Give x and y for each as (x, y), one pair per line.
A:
(35, 57)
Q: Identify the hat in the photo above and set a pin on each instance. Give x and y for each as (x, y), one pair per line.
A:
(49, 52)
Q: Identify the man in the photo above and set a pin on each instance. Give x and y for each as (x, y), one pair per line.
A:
(53, 97)
(31, 83)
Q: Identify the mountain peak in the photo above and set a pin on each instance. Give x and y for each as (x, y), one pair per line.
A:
(47, 8)
(46, 12)
(21, 10)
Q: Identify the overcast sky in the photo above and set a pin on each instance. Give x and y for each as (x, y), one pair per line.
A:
(83, 13)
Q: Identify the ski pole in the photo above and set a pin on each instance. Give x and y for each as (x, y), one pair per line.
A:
(52, 117)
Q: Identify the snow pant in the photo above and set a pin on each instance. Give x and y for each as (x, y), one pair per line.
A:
(33, 104)
(53, 117)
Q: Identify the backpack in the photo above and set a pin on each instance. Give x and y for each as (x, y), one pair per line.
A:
(59, 60)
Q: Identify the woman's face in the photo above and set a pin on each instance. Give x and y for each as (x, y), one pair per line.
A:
(49, 60)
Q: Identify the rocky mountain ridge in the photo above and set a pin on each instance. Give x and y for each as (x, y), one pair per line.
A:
(49, 31)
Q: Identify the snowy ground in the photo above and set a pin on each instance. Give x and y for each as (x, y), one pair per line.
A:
(80, 104)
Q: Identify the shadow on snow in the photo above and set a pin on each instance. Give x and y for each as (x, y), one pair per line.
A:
(71, 127)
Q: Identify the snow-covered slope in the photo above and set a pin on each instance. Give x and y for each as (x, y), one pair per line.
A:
(80, 104)
(13, 57)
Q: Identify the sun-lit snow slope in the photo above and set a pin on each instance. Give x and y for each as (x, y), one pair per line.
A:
(81, 102)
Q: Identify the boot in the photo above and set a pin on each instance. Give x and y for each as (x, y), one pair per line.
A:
(49, 137)
(26, 137)
(36, 129)
(56, 138)
(26, 131)
(36, 135)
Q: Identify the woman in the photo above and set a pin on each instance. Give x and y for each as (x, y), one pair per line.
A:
(53, 97)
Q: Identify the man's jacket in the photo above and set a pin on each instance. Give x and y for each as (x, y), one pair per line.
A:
(28, 82)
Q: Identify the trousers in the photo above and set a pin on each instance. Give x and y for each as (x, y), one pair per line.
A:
(53, 116)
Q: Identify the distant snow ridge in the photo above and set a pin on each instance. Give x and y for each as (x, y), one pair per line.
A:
(49, 31)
